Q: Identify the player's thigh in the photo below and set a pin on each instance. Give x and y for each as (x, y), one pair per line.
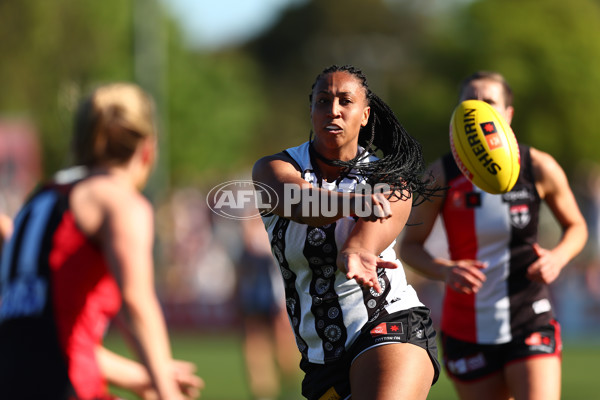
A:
(535, 378)
(491, 387)
(392, 371)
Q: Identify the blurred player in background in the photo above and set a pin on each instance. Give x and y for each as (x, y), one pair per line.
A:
(81, 248)
(500, 339)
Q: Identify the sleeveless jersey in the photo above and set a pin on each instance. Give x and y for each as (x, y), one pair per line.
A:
(326, 310)
(499, 230)
(57, 297)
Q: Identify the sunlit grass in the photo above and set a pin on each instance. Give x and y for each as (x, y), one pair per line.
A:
(220, 363)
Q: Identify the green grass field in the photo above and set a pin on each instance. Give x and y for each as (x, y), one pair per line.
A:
(220, 363)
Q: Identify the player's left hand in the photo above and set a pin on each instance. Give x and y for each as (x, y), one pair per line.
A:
(190, 384)
(362, 266)
(546, 268)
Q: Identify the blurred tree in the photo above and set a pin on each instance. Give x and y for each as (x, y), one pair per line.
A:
(415, 52)
(52, 52)
(215, 104)
(222, 110)
(316, 34)
(549, 51)
(57, 51)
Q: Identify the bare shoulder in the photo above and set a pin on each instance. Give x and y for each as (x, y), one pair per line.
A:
(548, 174)
(98, 199)
(269, 167)
(539, 157)
(121, 200)
(282, 157)
(424, 214)
(544, 165)
(436, 169)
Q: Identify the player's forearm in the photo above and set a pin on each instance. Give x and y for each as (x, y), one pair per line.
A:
(374, 236)
(121, 371)
(419, 259)
(371, 236)
(150, 330)
(572, 242)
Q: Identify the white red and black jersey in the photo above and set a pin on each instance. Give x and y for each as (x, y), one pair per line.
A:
(326, 310)
(56, 299)
(499, 230)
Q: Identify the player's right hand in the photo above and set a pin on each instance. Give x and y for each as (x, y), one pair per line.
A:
(465, 276)
(375, 207)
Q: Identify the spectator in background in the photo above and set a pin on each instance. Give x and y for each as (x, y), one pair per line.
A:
(499, 335)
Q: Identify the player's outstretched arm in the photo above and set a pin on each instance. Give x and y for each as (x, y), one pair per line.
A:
(300, 202)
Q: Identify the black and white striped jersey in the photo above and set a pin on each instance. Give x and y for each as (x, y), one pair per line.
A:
(326, 310)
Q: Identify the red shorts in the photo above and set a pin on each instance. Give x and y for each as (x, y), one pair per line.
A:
(466, 361)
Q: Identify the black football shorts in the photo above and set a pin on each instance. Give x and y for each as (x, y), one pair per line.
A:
(332, 380)
(466, 361)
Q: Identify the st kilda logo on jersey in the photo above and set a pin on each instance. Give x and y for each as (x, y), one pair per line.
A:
(519, 215)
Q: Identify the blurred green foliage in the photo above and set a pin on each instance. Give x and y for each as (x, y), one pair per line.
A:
(222, 110)
(415, 53)
(51, 52)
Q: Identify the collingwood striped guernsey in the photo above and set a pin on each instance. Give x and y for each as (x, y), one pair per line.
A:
(321, 301)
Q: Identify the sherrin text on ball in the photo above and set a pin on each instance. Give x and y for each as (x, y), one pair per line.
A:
(484, 146)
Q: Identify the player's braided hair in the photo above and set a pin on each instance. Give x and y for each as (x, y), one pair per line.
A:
(401, 165)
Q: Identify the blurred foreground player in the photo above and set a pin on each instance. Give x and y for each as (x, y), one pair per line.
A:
(81, 248)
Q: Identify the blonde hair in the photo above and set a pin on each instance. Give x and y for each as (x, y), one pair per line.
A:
(110, 124)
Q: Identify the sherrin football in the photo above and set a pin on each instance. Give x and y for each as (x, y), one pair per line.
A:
(484, 146)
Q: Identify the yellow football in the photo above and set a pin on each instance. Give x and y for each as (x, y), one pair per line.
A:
(484, 146)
